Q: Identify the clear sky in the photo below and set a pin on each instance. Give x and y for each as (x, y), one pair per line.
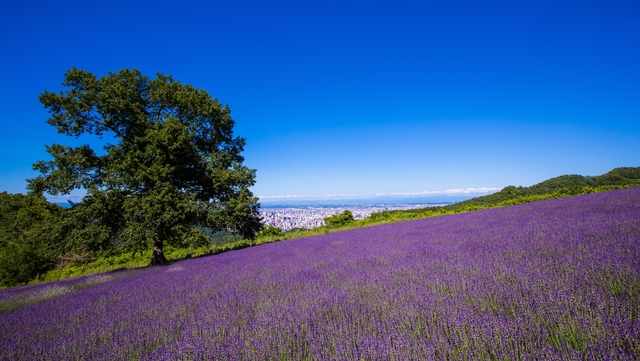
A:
(355, 97)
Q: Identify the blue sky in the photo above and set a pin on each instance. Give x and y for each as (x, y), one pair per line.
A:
(355, 97)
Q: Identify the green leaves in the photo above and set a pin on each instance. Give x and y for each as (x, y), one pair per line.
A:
(176, 164)
(339, 219)
(29, 237)
(72, 168)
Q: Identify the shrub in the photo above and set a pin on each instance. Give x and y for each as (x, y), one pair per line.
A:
(339, 219)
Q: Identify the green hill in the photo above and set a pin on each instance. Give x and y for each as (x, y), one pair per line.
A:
(571, 184)
(558, 187)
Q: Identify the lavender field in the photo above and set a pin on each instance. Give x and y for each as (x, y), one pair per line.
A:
(552, 280)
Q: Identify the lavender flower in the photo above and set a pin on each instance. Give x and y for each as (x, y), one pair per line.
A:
(550, 280)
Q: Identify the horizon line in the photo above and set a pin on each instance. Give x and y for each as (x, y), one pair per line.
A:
(446, 192)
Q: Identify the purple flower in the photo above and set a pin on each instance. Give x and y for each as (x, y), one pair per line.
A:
(550, 280)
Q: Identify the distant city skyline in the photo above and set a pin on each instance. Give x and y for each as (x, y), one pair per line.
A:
(287, 218)
(373, 99)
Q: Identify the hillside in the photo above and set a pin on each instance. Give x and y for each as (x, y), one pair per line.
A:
(551, 280)
(570, 184)
(558, 187)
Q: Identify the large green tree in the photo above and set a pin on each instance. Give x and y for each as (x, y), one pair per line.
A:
(175, 165)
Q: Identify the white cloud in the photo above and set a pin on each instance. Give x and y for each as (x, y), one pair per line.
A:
(64, 199)
(454, 191)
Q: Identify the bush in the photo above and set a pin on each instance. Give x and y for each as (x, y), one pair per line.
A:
(270, 231)
(339, 219)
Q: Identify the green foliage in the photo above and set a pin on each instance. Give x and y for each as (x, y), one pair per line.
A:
(270, 231)
(137, 260)
(339, 219)
(221, 238)
(176, 165)
(29, 237)
(196, 239)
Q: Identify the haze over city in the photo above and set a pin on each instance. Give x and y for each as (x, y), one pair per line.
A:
(356, 100)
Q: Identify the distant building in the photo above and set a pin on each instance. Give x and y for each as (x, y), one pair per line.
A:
(311, 217)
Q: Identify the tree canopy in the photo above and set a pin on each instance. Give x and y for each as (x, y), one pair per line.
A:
(175, 165)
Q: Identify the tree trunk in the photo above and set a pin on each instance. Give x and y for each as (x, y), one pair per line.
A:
(158, 258)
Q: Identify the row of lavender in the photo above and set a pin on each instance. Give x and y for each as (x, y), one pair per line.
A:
(544, 281)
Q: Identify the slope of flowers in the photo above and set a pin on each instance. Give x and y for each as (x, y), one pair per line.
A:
(549, 280)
